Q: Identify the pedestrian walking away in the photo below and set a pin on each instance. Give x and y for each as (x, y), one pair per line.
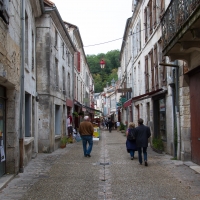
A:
(141, 136)
(110, 125)
(130, 141)
(86, 131)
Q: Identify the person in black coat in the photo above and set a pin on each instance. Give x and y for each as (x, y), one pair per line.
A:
(142, 134)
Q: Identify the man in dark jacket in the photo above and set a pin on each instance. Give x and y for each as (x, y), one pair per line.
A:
(86, 131)
(142, 135)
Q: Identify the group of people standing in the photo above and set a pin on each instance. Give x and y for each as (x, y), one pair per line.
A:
(137, 140)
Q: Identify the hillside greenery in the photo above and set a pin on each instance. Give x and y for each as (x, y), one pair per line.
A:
(102, 76)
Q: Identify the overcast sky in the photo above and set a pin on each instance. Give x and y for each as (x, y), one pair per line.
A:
(99, 21)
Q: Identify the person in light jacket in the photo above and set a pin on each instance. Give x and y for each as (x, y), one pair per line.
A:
(86, 131)
(142, 134)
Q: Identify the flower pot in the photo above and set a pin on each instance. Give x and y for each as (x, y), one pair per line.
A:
(62, 146)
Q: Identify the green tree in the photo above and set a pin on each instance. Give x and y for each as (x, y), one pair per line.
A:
(102, 76)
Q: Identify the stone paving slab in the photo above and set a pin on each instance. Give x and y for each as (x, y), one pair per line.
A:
(108, 174)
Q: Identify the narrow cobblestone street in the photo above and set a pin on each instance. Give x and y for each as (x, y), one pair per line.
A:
(108, 174)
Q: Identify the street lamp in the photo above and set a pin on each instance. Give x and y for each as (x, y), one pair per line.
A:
(102, 64)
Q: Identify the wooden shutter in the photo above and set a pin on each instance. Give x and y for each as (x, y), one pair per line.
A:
(154, 13)
(146, 74)
(164, 75)
(156, 65)
(150, 17)
(152, 71)
(162, 7)
(78, 61)
(145, 24)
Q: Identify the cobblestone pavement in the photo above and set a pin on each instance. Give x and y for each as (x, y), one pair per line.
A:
(109, 174)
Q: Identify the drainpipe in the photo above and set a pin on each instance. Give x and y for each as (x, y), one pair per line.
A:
(21, 111)
(178, 113)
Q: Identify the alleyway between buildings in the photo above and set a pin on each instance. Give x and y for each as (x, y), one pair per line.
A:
(108, 174)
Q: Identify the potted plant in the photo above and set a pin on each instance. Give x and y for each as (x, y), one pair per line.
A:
(75, 114)
(122, 128)
(63, 142)
(157, 145)
(70, 140)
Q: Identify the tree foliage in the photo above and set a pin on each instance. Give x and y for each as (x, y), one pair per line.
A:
(102, 76)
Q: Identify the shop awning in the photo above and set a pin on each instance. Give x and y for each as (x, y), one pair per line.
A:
(127, 103)
(89, 109)
(147, 95)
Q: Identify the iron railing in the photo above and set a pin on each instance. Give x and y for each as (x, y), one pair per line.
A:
(177, 13)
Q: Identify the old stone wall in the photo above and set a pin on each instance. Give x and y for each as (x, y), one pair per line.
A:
(9, 78)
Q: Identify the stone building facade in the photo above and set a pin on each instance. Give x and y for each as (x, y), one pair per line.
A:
(152, 96)
(180, 36)
(55, 57)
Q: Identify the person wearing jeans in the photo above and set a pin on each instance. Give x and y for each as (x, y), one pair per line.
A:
(86, 131)
(130, 142)
(141, 136)
(144, 149)
(87, 139)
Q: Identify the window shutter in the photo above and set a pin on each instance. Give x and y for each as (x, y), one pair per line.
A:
(156, 66)
(152, 71)
(78, 61)
(150, 17)
(154, 13)
(146, 74)
(162, 7)
(145, 24)
(163, 72)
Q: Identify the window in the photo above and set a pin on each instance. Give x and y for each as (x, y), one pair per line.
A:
(28, 115)
(57, 120)
(4, 10)
(56, 38)
(138, 36)
(56, 74)
(68, 84)
(33, 51)
(63, 72)
(87, 79)
(26, 39)
(78, 61)
(77, 88)
(63, 50)
(68, 58)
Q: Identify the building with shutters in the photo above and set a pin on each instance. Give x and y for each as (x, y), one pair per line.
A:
(152, 94)
(55, 68)
(180, 38)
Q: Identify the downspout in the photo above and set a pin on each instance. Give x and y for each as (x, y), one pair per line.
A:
(21, 111)
(178, 113)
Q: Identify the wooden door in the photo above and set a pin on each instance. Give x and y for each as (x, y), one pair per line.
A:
(195, 115)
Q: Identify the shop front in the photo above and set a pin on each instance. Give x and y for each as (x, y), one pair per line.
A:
(2, 131)
(160, 117)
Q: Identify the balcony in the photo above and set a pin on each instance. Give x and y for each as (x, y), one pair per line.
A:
(181, 29)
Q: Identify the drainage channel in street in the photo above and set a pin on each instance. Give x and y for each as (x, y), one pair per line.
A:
(104, 191)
